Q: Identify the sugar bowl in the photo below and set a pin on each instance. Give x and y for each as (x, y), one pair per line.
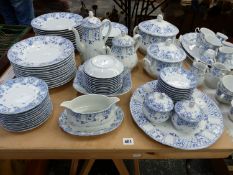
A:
(124, 48)
(187, 115)
(157, 107)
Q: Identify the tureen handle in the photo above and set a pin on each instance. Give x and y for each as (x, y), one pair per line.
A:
(137, 38)
(106, 22)
(135, 30)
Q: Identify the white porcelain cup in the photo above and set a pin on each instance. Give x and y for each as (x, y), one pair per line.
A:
(211, 42)
(224, 53)
(208, 57)
(201, 34)
(228, 44)
(221, 36)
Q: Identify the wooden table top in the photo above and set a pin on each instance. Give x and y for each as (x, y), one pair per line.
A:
(51, 142)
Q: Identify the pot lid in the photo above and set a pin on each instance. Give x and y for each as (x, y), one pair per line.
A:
(158, 27)
(189, 111)
(123, 40)
(166, 52)
(91, 21)
(159, 102)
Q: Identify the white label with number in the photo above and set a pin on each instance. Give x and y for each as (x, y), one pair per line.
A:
(128, 141)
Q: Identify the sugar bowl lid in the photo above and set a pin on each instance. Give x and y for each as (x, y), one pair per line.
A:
(166, 52)
(159, 102)
(189, 111)
(91, 21)
(123, 40)
(158, 27)
(103, 66)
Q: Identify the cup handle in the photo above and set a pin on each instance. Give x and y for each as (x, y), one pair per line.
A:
(135, 30)
(147, 63)
(137, 38)
(104, 22)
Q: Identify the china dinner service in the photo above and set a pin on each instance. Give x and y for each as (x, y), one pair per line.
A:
(154, 31)
(58, 24)
(124, 48)
(205, 112)
(92, 43)
(24, 104)
(50, 58)
(89, 115)
(161, 55)
(177, 83)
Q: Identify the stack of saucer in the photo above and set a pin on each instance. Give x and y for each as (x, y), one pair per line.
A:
(177, 83)
(50, 58)
(117, 30)
(24, 104)
(58, 24)
(103, 74)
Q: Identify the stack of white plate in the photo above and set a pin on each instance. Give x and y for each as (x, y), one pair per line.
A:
(103, 74)
(50, 58)
(117, 30)
(58, 23)
(177, 83)
(24, 104)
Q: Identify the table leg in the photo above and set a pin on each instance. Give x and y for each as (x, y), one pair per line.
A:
(74, 167)
(87, 166)
(120, 166)
(136, 167)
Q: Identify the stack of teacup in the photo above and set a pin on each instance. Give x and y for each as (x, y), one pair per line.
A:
(103, 74)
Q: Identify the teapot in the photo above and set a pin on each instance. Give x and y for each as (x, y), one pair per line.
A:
(92, 42)
(124, 48)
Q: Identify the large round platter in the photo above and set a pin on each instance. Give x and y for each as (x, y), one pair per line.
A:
(56, 21)
(208, 132)
(40, 51)
(21, 94)
(117, 116)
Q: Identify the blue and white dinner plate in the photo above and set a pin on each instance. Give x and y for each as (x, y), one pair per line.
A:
(21, 94)
(56, 21)
(208, 132)
(40, 51)
(117, 116)
(80, 86)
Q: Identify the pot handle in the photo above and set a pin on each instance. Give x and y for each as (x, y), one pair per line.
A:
(138, 39)
(147, 64)
(135, 30)
(106, 22)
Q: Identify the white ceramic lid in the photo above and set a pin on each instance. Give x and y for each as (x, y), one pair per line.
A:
(123, 41)
(159, 102)
(103, 66)
(91, 21)
(166, 52)
(189, 111)
(158, 27)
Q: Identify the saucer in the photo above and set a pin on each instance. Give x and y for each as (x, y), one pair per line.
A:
(190, 45)
(117, 115)
(207, 133)
(79, 86)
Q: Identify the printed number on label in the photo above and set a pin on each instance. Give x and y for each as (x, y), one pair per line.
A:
(128, 141)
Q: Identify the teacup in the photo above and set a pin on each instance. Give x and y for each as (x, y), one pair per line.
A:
(224, 53)
(211, 42)
(217, 71)
(208, 57)
(231, 112)
(201, 34)
(221, 36)
(224, 92)
(199, 69)
(228, 44)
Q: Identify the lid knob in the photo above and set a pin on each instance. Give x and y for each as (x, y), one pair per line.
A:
(91, 14)
(161, 95)
(123, 33)
(160, 17)
(191, 103)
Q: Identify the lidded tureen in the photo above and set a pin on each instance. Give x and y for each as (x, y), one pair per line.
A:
(161, 55)
(154, 31)
(124, 48)
(92, 42)
(187, 115)
(157, 107)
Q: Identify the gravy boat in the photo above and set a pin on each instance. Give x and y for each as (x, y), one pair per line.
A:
(90, 108)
